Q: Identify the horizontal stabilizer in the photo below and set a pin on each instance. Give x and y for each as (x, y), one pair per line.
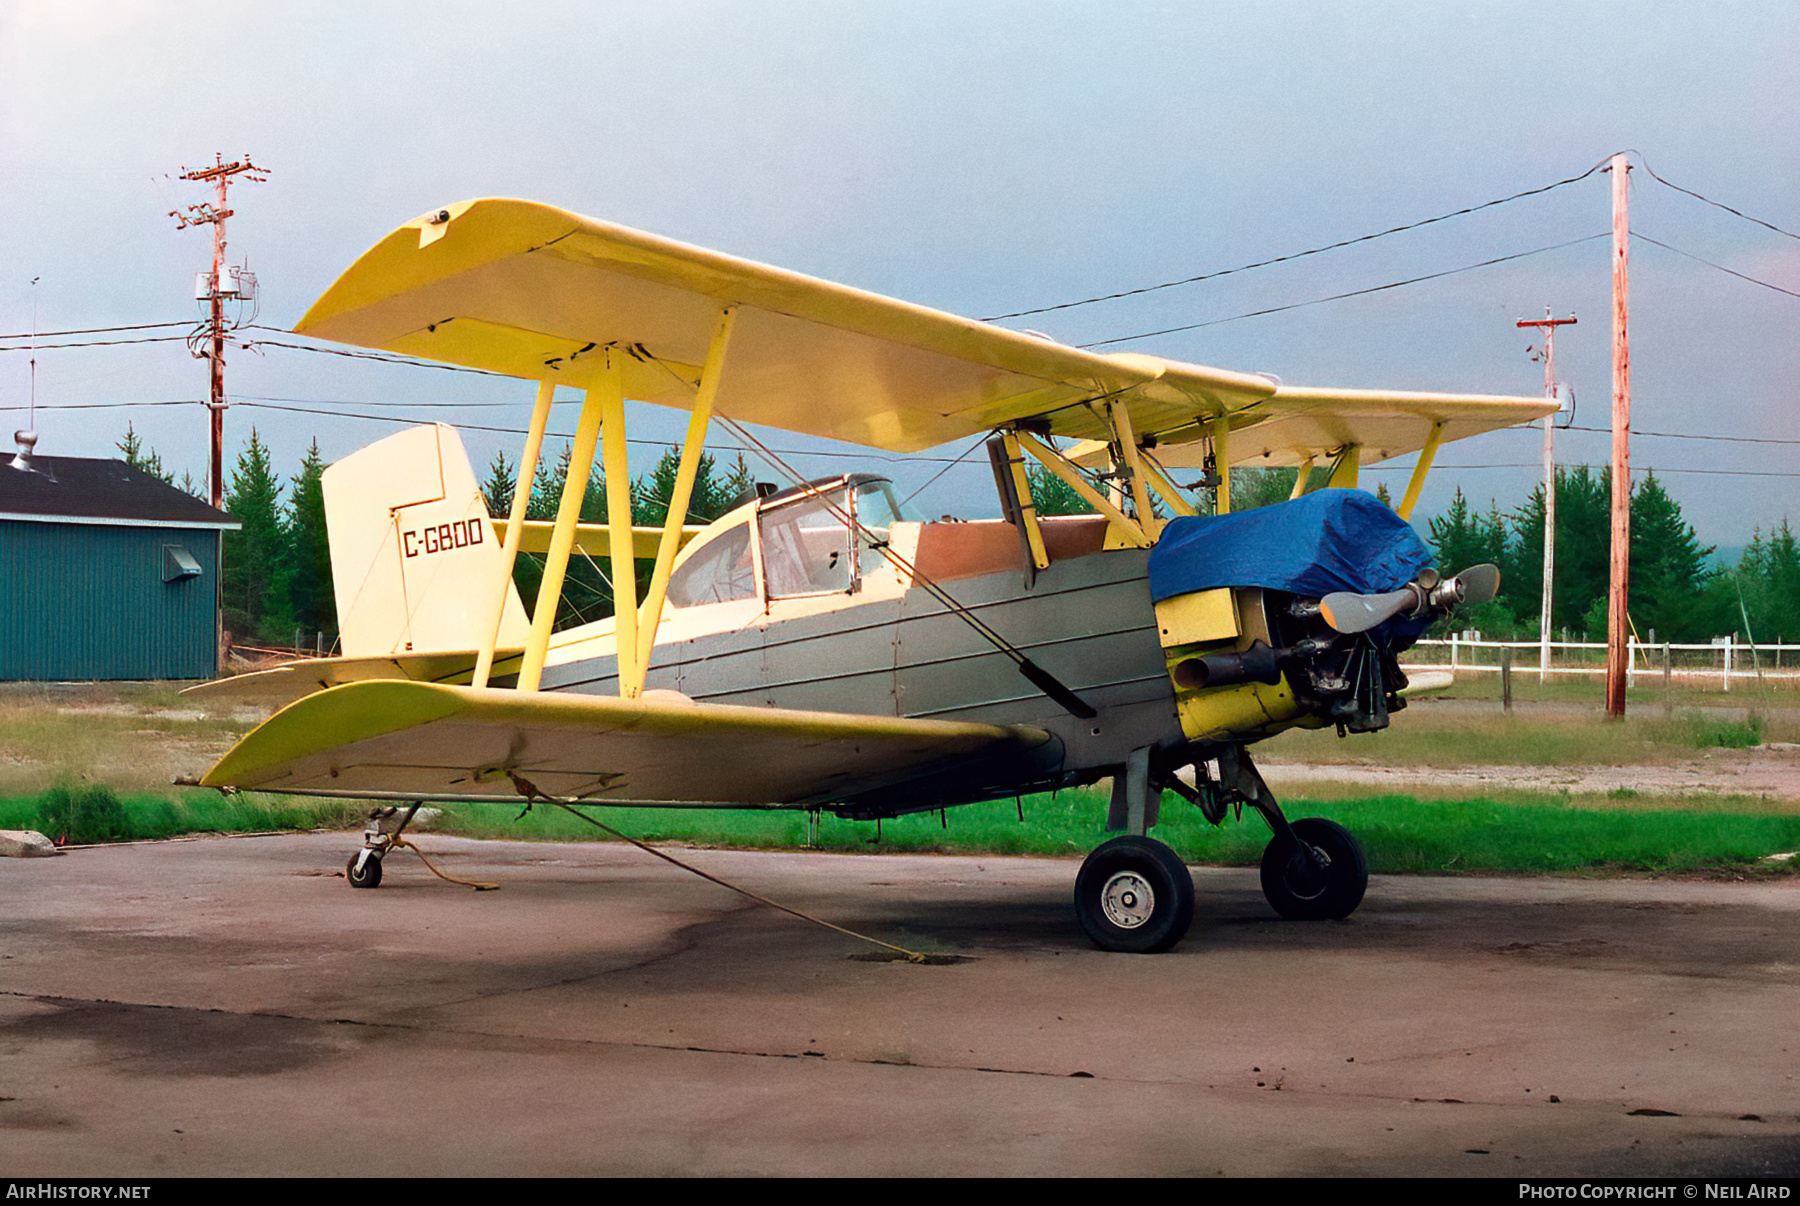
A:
(280, 686)
(594, 539)
(433, 742)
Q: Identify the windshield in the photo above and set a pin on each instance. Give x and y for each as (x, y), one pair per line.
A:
(717, 573)
(877, 510)
(806, 546)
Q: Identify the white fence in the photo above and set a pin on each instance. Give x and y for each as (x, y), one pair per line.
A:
(1722, 665)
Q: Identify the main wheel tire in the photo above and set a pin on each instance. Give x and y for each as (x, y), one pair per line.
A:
(370, 874)
(1134, 894)
(1300, 888)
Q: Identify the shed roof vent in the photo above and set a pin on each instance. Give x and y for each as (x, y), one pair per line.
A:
(27, 441)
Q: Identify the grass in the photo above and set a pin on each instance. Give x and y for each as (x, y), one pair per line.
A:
(1400, 833)
(94, 762)
(84, 813)
(133, 737)
(1456, 731)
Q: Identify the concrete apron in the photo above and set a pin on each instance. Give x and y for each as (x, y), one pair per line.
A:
(228, 1006)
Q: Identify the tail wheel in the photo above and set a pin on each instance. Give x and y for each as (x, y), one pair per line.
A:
(1134, 894)
(368, 874)
(1323, 877)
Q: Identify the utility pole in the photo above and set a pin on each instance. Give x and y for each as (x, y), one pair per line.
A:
(1548, 326)
(208, 342)
(1618, 589)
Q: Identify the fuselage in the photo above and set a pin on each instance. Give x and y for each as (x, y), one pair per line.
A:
(784, 603)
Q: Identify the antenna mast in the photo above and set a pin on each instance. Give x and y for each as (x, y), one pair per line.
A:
(208, 340)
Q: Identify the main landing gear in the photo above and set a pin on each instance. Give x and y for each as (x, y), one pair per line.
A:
(1134, 893)
(379, 837)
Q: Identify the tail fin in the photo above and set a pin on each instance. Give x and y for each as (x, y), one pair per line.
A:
(414, 558)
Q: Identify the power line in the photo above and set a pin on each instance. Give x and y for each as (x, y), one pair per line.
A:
(400, 405)
(1430, 276)
(562, 435)
(1585, 465)
(105, 405)
(1282, 259)
(1659, 435)
(1642, 162)
(1638, 234)
(99, 343)
(377, 356)
(1679, 435)
(135, 326)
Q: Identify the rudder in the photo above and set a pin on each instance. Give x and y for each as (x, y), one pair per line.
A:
(414, 557)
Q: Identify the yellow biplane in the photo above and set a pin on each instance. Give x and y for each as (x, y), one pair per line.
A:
(815, 648)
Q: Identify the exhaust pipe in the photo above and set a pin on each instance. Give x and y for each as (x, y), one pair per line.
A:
(1258, 664)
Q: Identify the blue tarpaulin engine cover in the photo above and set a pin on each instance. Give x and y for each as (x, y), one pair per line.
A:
(1321, 542)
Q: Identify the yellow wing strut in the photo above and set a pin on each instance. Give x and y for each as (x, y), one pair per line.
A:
(1426, 456)
(618, 518)
(1054, 462)
(515, 523)
(681, 495)
(562, 536)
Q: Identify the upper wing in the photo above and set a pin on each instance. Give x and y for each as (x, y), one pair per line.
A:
(431, 741)
(530, 291)
(1295, 423)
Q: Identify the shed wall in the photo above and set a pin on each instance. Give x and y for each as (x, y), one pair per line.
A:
(87, 601)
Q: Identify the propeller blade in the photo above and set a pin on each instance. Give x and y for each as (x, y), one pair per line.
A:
(1478, 584)
(1351, 613)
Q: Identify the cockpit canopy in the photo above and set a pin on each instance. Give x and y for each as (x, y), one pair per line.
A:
(813, 539)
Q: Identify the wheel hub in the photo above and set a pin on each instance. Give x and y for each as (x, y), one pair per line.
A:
(1309, 872)
(1128, 900)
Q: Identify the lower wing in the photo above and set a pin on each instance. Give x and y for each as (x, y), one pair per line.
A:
(419, 740)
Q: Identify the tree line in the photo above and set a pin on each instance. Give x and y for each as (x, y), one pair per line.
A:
(277, 571)
(276, 577)
(1676, 589)
(1677, 592)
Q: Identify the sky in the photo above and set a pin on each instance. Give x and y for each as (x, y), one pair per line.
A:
(979, 157)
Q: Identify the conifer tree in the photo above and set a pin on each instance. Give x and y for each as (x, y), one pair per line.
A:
(712, 495)
(254, 577)
(310, 595)
(1461, 538)
(1252, 488)
(1780, 618)
(139, 457)
(502, 480)
(1051, 495)
(1668, 567)
(1583, 548)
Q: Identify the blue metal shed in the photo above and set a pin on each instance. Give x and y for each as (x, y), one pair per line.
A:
(105, 573)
